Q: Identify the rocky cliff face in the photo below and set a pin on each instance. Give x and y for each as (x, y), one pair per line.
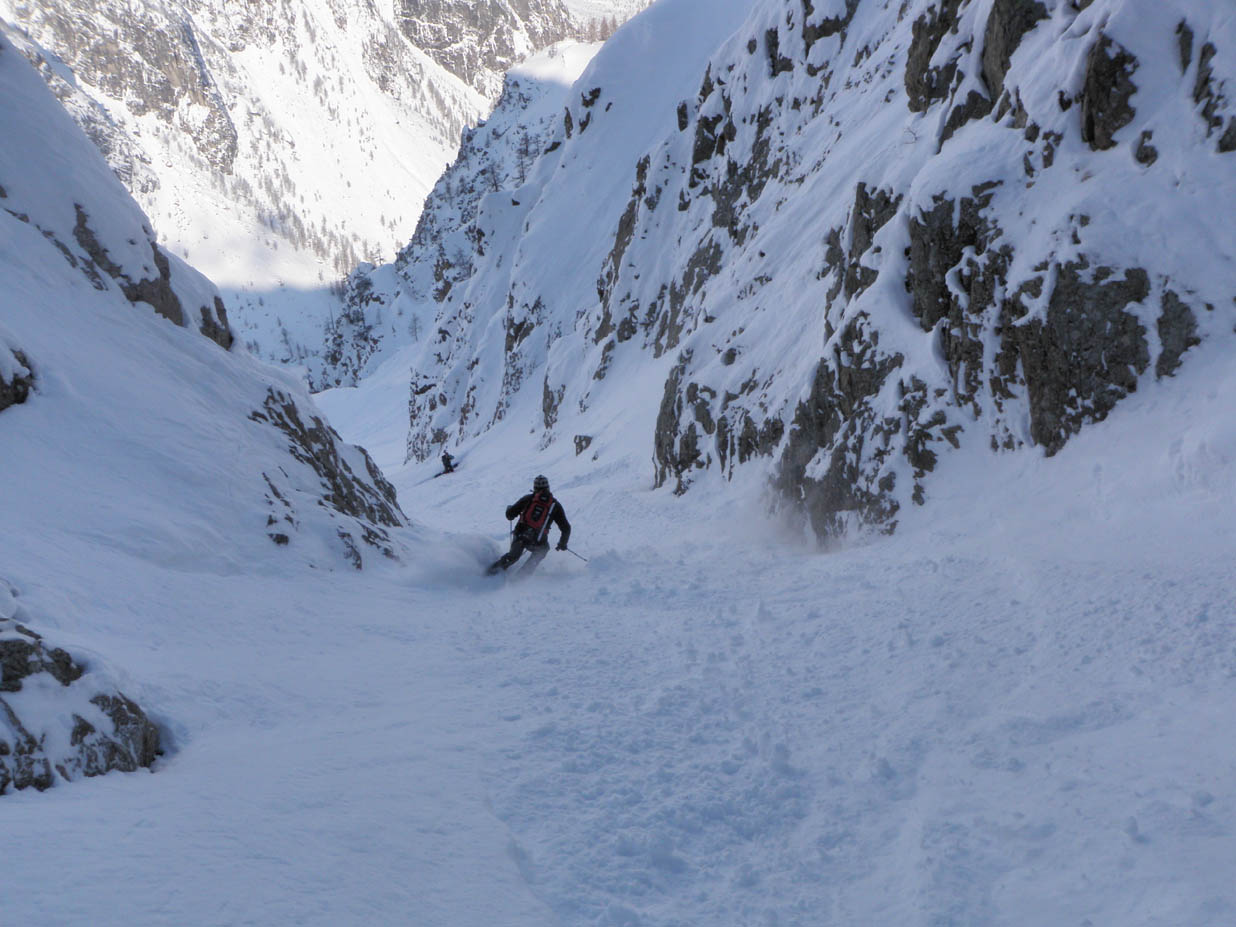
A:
(480, 41)
(866, 235)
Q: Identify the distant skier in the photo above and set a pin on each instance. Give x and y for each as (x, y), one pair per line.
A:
(448, 462)
(535, 511)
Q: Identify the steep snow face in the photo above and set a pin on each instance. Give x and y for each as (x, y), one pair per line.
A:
(394, 306)
(88, 301)
(130, 421)
(274, 145)
(847, 238)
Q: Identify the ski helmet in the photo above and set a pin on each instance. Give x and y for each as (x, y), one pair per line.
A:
(540, 484)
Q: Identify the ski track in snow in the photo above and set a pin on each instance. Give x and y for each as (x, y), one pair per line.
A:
(1017, 711)
(855, 739)
(706, 724)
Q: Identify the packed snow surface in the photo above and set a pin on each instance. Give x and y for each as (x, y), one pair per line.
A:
(1016, 711)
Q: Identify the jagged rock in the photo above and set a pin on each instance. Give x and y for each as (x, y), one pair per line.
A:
(216, 327)
(777, 62)
(1088, 352)
(1007, 24)
(108, 730)
(16, 384)
(155, 291)
(354, 488)
(872, 210)
(478, 41)
(838, 423)
(924, 83)
(937, 245)
(1213, 102)
(1108, 87)
(675, 449)
(815, 30)
(316, 444)
(1146, 153)
(1177, 333)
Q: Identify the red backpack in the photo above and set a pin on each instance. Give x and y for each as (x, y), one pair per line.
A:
(534, 519)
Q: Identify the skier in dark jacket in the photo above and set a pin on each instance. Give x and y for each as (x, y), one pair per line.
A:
(448, 462)
(535, 511)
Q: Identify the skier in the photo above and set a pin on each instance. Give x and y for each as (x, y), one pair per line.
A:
(535, 511)
(448, 462)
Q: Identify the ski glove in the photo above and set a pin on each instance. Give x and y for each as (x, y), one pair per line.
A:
(562, 545)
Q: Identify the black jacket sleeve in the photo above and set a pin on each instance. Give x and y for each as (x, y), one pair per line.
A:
(564, 526)
(514, 511)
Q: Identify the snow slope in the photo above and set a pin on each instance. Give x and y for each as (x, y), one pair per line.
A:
(1012, 720)
(845, 239)
(273, 147)
(132, 423)
(1016, 711)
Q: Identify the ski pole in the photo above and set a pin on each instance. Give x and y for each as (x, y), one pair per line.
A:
(573, 554)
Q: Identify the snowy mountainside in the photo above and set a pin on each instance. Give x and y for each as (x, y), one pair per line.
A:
(587, 10)
(133, 430)
(848, 238)
(393, 306)
(274, 145)
(479, 42)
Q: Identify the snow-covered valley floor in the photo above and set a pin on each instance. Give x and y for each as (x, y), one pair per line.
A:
(1017, 711)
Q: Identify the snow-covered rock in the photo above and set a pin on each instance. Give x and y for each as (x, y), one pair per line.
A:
(57, 719)
(128, 416)
(478, 42)
(394, 305)
(847, 237)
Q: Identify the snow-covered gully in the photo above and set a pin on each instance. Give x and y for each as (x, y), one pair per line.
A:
(1015, 709)
(985, 720)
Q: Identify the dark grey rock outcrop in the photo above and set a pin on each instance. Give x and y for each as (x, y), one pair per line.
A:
(1209, 93)
(155, 290)
(1105, 106)
(348, 482)
(14, 388)
(1008, 23)
(107, 730)
(479, 41)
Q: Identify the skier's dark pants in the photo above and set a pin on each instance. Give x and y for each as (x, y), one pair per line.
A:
(536, 553)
